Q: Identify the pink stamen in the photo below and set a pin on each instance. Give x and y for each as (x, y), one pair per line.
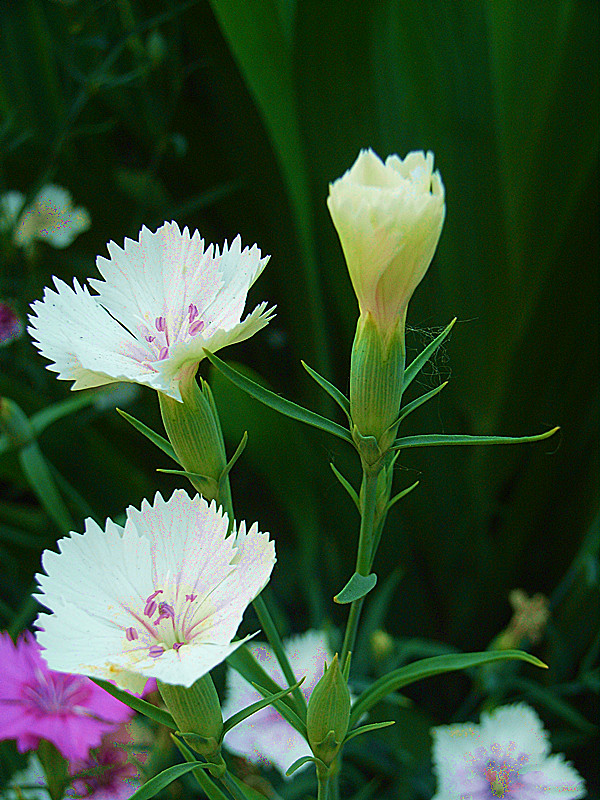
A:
(131, 634)
(193, 312)
(161, 324)
(165, 612)
(177, 645)
(156, 651)
(196, 327)
(191, 597)
(164, 352)
(150, 608)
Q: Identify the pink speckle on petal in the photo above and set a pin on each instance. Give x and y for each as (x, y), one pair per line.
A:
(150, 338)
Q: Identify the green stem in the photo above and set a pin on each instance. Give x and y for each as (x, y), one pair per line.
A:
(323, 786)
(363, 557)
(194, 430)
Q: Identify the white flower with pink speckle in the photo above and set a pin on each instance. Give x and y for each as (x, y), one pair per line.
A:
(162, 301)
(160, 598)
(506, 756)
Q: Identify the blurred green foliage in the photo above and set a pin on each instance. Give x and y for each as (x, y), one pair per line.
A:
(232, 116)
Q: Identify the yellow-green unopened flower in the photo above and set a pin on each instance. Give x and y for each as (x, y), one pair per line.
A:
(389, 218)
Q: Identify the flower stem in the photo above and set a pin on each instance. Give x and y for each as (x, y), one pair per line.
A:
(194, 430)
(323, 786)
(364, 555)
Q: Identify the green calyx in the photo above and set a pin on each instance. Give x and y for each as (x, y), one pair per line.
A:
(194, 430)
(328, 713)
(376, 385)
(197, 713)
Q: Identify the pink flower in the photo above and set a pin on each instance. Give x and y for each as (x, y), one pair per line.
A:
(11, 326)
(107, 773)
(37, 703)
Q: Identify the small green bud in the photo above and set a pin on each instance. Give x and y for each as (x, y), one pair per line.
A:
(376, 383)
(328, 713)
(197, 713)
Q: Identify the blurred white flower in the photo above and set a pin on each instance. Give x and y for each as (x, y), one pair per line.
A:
(266, 737)
(50, 218)
(160, 598)
(389, 219)
(507, 755)
(32, 776)
(163, 300)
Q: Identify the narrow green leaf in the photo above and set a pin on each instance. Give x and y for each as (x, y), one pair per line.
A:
(152, 787)
(417, 364)
(203, 480)
(400, 495)
(242, 661)
(39, 477)
(238, 452)
(347, 486)
(147, 709)
(278, 403)
(154, 437)
(428, 667)
(211, 790)
(331, 390)
(303, 760)
(367, 728)
(285, 710)
(260, 704)
(549, 698)
(42, 419)
(358, 586)
(408, 409)
(431, 439)
(240, 790)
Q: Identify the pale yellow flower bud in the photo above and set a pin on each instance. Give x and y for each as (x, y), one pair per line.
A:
(389, 218)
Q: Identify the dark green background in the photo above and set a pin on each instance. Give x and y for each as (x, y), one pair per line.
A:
(232, 117)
